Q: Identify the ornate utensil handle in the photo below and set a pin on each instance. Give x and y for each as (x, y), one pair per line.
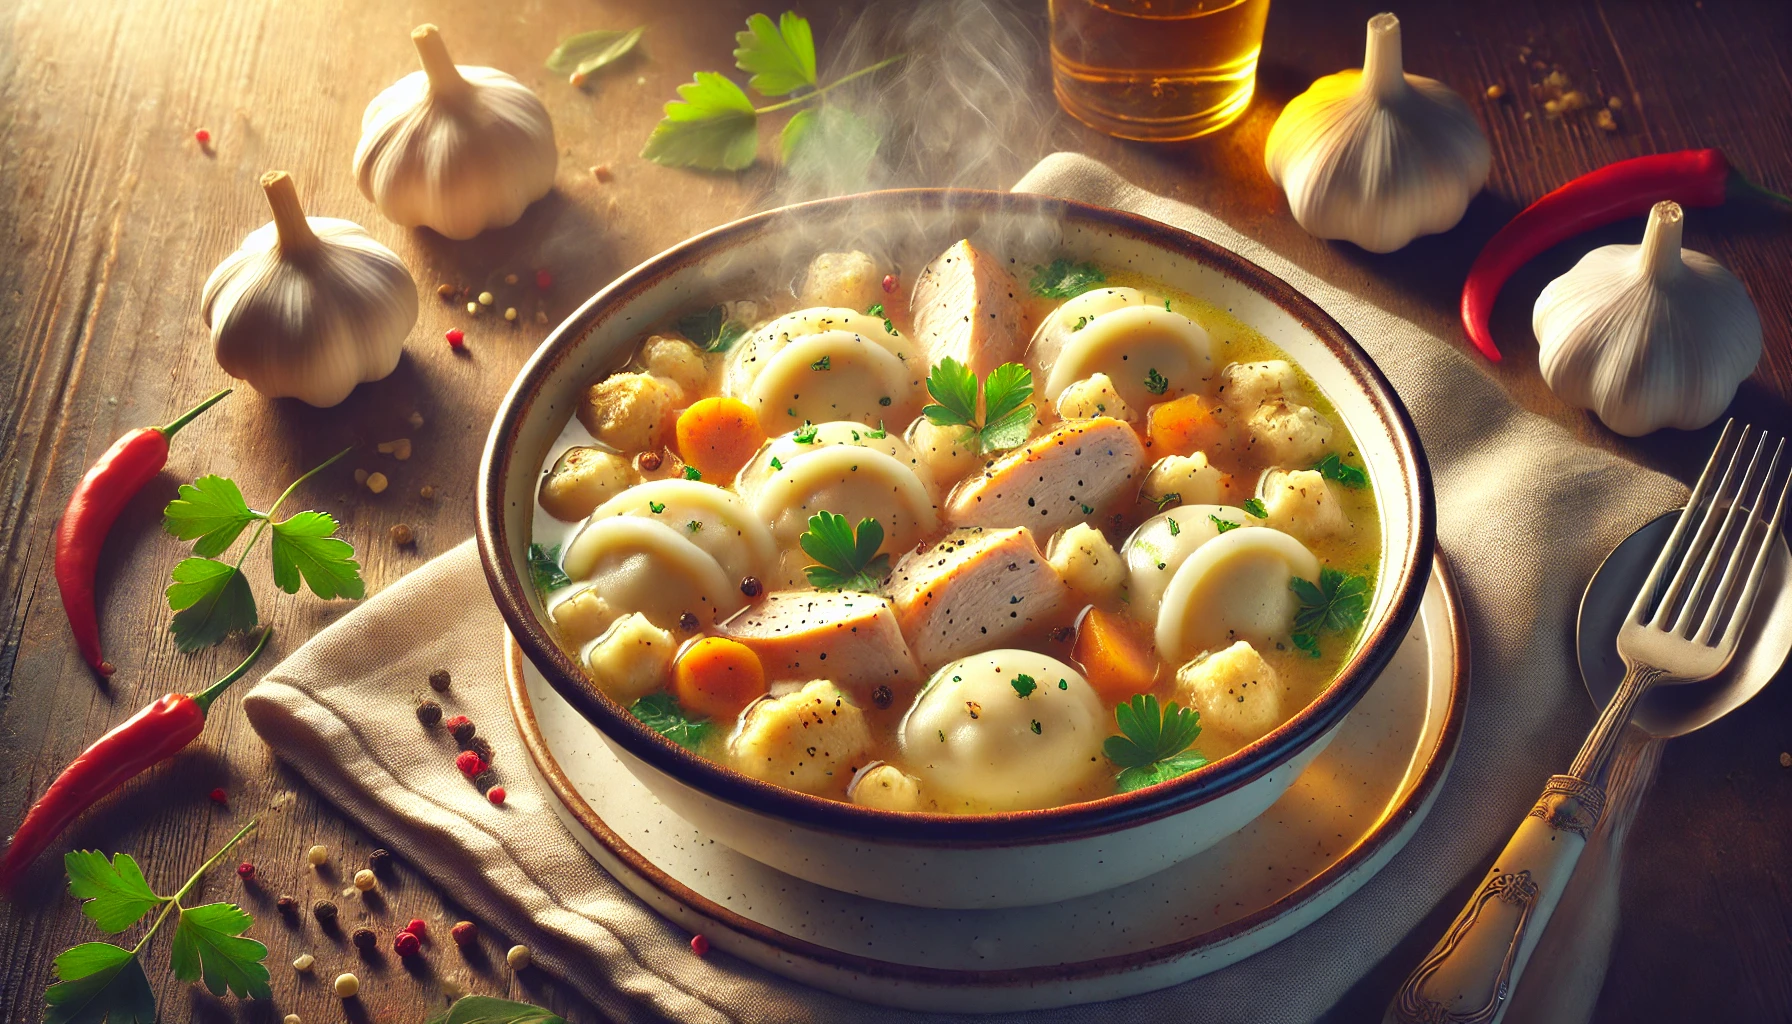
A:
(1470, 972)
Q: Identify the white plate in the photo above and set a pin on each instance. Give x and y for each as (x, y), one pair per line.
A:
(1344, 818)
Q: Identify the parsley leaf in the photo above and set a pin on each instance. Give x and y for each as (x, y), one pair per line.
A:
(877, 310)
(954, 387)
(879, 434)
(1156, 383)
(1333, 468)
(1023, 684)
(1153, 744)
(544, 567)
(1176, 528)
(661, 713)
(1222, 525)
(100, 982)
(1255, 507)
(847, 561)
(1006, 394)
(492, 1010)
(210, 600)
(692, 473)
(588, 51)
(1065, 279)
(781, 57)
(1306, 642)
(776, 465)
(306, 545)
(824, 363)
(115, 893)
(1172, 498)
(656, 507)
(1337, 605)
(211, 512)
(711, 330)
(209, 943)
(805, 434)
(712, 126)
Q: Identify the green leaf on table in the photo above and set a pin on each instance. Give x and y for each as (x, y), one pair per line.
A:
(544, 567)
(781, 57)
(661, 713)
(209, 511)
(306, 545)
(1333, 468)
(1153, 743)
(491, 1010)
(116, 894)
(100, 984)
(1065, 278)
(209, 943)
(211, 600)
(712, 126)
(590, 51)
(829, 149)
(848, 560)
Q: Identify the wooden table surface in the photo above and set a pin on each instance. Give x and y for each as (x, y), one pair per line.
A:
(112, 216)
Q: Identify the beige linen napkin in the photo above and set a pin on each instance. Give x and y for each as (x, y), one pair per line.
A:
(340, 711)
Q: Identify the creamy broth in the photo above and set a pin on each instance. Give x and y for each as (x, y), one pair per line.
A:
(774, 615)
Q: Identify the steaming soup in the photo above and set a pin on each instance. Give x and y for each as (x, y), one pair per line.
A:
(987, 547)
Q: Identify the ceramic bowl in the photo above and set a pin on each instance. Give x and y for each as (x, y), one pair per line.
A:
(989, 860)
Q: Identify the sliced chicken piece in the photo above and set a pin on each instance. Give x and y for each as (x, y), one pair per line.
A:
(847, 637)
(974, 590)
(1057, 479)
(966, 307)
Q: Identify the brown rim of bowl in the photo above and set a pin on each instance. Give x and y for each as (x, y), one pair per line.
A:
(1442, 753)
(1027, 827)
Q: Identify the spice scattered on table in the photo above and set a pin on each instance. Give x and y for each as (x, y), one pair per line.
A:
(446, 291)
(415, 419)
(461, 728)
(464, 933)
(318, 855)
(407, 944)
(1785, 759)
(347, 985)
(544, 280)
(439, 680)
(518, 957)
(402, 535)
(495, 794)
(470, 763)
(699, 944)
(483, 747)
(365, 940)
(1496, 91)
(286, 904)
(202, 136)
(510, 313)
(325, 912)
(509, 278)
(292, 1018)
(398, 448)
(473, 308)
(218, 796)
(426, 492)
(303, 962)
(377, 482)
(245, 871)
(364, 880)
(380, 861)
(487, 298)
(417, 927)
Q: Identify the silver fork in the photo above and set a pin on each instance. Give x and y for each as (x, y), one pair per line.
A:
(1683, 627)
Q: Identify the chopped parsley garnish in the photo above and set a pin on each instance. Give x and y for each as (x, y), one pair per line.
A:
(1065, 279)
(1156, 383)
(877, 310)
(692, 473)
(806, 434)
(693, 526)
(847, 560)
(1255, 507)
(1166, 305)
(776, 464)
(1088, 511)
(1176, 528)
(1009, 415)
(1037, 729)
(1024, 685)
(661, 713)
(1063, 684)
(1172, 498)
(544, 568)
(1336, 605)
(1081, 322)
(1153, 743)
(879, 434)
(824, 363)
(1333, 468)
(711, 330)
(1223, 525)
(656, 507)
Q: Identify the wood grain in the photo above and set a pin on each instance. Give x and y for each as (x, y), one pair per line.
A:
(111, 216)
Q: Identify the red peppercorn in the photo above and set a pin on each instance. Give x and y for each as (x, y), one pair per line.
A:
(406, 944)
(246, 870)
(889, 283)
(465, 933)
(495, 794)
(202, 136)
(417, 927)
(219, 796)
(544, 280)
(456, 337)
(699, 944)
(470, 763)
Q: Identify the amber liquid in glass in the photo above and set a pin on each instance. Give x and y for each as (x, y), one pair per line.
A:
(1156, 70)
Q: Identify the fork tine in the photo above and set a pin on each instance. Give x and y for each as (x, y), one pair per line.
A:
(1665, 560)
(1680, 562)
(1740, 511)
(1763, 551)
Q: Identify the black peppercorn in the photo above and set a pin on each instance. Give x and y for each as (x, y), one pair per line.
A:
(687, 622)
(429, 712)
(286, 904)
(485, 780)
(438, 680)
(380, 861)
(462, 729)
(751, 586)
(483, 747)
(365, 940)
(882, 696)
(325, 912)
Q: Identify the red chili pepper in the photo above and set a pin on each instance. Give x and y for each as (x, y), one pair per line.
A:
(1628, 188)
(152, 735)
(132, 461)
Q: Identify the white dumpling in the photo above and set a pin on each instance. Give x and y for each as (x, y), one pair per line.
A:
(1004, 730)
(786, 449)
(835, 375)
(751, 353)
(1304, 503)
(1157, 549)
(1130, 345)
(714, 519)
(1234, 587)
(637, 564)
(858, 483)
(1056, 329)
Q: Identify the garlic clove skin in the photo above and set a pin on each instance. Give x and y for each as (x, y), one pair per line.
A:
(308, 307)
(1378, 157)
(1647, 336)
(454, 148)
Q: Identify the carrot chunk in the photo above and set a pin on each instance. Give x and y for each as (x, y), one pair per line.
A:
(1184, 426)
(1115, 656)
(717, 677)
(718, 436)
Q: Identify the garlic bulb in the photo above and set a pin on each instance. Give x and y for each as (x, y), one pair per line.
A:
(1378, 157)
(1647, 336)
(308, 307)
(454, 148)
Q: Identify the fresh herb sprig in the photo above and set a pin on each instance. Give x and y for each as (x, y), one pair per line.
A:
(711, 330)
(1334, 468)
(847, 559)
(580, 56)
(661, 713)
(211, 599)
(1256, 508)
(714, 126)
(1065, 278)
(1336, 605)
(492, 1010)
(1008, 413)
(1153, 745)
(99, 981)
(544, 568)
